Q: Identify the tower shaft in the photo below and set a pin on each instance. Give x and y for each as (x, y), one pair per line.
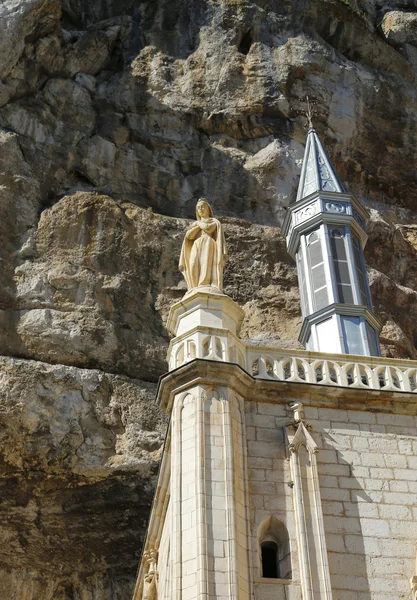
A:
(325, 231)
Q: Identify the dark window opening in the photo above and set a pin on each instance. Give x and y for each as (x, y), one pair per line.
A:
(341, 266)
(270, 560)
(274, 549)
(245, 43)
(318, 274)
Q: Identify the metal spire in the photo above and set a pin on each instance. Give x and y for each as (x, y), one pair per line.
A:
(317, 174)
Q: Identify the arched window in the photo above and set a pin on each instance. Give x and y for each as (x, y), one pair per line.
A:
(341, 265)
(274, 549)
(179, 356)
(317, 271)
(192, 350)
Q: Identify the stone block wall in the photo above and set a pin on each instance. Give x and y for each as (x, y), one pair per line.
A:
(270, 491)
(367, 465)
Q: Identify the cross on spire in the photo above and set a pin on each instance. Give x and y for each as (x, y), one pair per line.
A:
(309, 113)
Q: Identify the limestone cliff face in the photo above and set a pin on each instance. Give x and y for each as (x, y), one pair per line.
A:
(114, 118)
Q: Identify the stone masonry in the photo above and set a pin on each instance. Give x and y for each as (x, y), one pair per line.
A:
(368, 484)
(324, 466)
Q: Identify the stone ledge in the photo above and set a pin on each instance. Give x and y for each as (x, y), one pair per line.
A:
(218, 374)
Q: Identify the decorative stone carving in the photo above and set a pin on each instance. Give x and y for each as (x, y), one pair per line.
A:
(203, 252)
(413, 583)
(298, 409)
(314, 566)
(150, 589)
(304, 367)
(298, 431)
(306, 212)
(335, 207)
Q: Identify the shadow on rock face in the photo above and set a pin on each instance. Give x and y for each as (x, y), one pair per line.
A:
(80, 453)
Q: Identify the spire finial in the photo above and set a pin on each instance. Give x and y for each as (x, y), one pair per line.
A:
(309, 113)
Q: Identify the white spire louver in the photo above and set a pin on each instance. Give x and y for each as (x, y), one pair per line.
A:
(317, 173)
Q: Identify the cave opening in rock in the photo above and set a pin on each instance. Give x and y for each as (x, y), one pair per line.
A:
(245, 43)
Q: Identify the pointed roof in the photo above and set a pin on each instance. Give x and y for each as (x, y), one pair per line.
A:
(317, 173)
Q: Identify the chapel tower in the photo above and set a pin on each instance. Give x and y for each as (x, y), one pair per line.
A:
(325, 230)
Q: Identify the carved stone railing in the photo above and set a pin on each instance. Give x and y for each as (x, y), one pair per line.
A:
(363, 372)
(206, 326)
(300, 366)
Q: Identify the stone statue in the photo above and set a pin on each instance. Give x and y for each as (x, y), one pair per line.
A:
(203, 252)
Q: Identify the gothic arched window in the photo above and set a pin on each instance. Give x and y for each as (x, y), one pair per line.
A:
(274, 549)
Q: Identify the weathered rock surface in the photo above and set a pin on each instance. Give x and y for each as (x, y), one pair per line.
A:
(98, 279)
(80, 451)
(114, 118)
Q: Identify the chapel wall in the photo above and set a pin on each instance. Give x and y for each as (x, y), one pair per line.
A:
(185, 506)
(368, 483)
(270, 492)
(164, 584)
(367, 465)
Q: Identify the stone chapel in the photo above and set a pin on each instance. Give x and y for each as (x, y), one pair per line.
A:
(286, 474)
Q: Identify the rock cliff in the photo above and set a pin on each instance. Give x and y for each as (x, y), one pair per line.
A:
(114, 118)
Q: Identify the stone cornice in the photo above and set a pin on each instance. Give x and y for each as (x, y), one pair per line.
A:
(218, 374)
(296, 230)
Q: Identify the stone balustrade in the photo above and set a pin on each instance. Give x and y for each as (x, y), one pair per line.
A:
(363, 372)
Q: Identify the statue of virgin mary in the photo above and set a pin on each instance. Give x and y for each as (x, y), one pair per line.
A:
(203, 252)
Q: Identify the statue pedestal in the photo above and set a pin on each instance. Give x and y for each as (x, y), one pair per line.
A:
(205, 325)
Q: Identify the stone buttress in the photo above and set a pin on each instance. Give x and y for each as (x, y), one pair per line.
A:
(237, 512)
(201, 532)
